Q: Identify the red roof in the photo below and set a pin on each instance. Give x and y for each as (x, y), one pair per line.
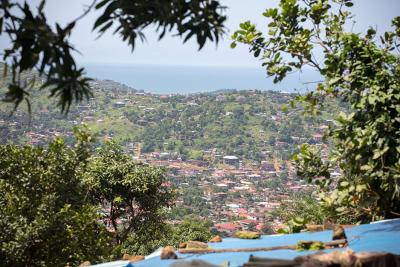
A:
(227, 226)
(241, 210)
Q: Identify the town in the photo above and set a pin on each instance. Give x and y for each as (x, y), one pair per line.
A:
(228, 153)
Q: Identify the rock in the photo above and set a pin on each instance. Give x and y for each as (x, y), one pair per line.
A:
(85, 263)
(247, 235)
(196, 244)
(335, 258)
(168, 253)
(215, 239)
(315, 227)
(328, 225)
(136, 258)
(131, 258)
(183, 245)
(338, 233)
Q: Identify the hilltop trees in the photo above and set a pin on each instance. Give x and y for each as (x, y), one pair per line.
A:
(360, 69)
(37, 45)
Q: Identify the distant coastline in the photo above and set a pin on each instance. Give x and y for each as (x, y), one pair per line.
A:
(172, 79)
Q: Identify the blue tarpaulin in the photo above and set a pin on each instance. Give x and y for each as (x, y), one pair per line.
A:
(382, 236)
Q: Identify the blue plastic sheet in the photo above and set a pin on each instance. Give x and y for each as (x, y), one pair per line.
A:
(383, 236)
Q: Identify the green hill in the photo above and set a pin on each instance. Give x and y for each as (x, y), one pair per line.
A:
(248, 124)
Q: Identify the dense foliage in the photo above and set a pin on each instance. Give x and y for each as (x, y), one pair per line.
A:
(131, 192)
(301, 204)
(59, 204)
(247, 124)
(37, 45)
(362, 70)
(150, 238)
(45, 218)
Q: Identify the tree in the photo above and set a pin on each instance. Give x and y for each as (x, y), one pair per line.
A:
(61, 205)
(37, 45)
(191, 229)
(302, 205)
(149, 238)
(361, 70)
(267, 228)
(133, 193)
(45, 218)
(252, 226)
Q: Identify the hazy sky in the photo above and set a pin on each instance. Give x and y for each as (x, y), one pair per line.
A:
(110, 49)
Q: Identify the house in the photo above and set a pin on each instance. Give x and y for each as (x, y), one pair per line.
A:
(119, 104)
(228, 228)
(231, 160)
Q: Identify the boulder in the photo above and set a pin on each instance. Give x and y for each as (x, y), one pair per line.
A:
(183, 245)
(338, 233)
(168, 253)
(315, 227)
(136, 258)
(341, 258)
(215, 239)
(131, 258)
(85, 263)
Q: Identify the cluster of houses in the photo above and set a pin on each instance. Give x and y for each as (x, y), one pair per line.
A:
(240, 193)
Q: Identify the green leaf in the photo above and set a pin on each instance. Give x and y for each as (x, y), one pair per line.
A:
(118, 199)
(283, 231)
(101, 4)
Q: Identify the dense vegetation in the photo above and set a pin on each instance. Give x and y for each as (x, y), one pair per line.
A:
(363, 70)
(45, 218)
(247, 124)
(65, 202)
(64, 205)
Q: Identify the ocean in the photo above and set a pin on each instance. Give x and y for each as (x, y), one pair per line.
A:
(163, 79)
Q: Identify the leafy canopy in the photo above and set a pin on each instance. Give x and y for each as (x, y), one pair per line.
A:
(64, 205)
(149, 238)
(132, 193)
(362, 70)
(45, 219)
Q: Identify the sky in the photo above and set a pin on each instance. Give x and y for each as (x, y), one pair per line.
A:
(109, 49)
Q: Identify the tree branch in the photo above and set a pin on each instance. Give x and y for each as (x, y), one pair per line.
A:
(89, 8)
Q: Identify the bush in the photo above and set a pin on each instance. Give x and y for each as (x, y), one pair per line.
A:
(44, 218)
(151, 237)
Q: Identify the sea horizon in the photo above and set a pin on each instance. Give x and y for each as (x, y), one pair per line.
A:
(180, 79)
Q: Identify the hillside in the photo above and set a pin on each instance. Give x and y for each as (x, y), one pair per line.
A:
(221, 148)
(247, 124)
